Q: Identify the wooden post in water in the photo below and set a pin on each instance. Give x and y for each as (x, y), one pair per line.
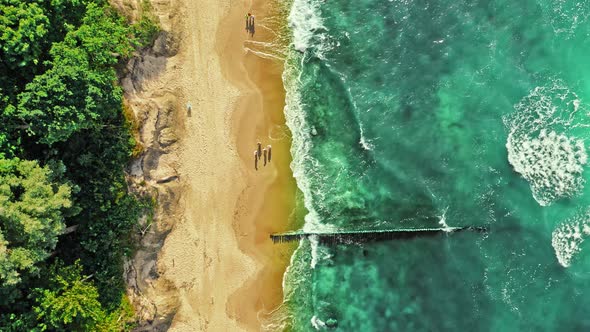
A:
(338, 237)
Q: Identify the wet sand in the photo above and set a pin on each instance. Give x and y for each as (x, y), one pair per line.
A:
(270, 192)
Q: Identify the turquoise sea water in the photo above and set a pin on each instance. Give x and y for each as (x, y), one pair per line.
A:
(433, 113)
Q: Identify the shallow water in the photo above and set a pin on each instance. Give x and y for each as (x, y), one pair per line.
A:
(424, 113)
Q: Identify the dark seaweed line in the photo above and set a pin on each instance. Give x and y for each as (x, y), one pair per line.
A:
(356, 237)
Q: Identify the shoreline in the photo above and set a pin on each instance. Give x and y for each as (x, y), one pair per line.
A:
(271, 191)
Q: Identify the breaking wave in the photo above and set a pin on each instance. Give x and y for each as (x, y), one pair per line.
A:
(541, 146)
(568, 237)
(308, 27)
(567, 16)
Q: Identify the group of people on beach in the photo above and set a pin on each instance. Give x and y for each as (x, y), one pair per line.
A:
(250, 24)
(261, 153)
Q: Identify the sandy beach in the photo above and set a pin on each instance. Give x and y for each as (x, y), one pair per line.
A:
(216, 269)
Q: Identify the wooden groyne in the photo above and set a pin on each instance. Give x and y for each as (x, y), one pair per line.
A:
(360, 236)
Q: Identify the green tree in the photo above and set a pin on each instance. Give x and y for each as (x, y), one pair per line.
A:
(104, 36)
(70, 302)
(23, 27)
(146, 29)
(31, 217)
(60, 103)
(109, 212)
(78, 89)
(64, 99)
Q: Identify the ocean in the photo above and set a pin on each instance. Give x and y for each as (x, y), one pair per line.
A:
(412, 114)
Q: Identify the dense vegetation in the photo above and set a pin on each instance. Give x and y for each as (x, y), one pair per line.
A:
(64, 142)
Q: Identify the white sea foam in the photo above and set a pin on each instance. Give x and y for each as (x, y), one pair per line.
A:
(317, 323)
(279, 318)
(318, 253)
(275, 320)
(314, 241)
(288, 269)
(267, 50)
(443, 221)
(365, 143)
(552, 163)
(567, 16)
(298, 272)
(303, 165)
(568, 237)
(307, 26)
(263, 54)
(540, 146)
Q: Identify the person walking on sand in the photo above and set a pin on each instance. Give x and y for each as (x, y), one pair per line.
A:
(252, 28)
(269, 149)
(259, 149)
(264, 152)
(248, 22)
(255, 159)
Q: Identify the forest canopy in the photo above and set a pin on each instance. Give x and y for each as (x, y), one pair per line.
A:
(66, 215)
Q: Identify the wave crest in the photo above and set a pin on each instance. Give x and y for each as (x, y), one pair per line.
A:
(568, 237)
(307, 26)
(541, 146)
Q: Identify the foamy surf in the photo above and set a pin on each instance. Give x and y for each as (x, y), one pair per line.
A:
(552, 163)
(568, 16)
(540, 146)
(443, 221)
(314, 242)
(567, 238)
(304, 21)
(308, 27)
(317, 323)
(303, 163)
(365, 143)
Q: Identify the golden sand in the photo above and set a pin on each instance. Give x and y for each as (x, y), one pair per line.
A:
(217, 266)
